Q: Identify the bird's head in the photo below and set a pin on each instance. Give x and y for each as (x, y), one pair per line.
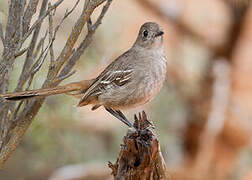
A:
(150, 36)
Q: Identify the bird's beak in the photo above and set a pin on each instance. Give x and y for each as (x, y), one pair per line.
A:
(159, 33)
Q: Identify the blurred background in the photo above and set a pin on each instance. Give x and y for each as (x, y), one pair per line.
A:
(203, 114)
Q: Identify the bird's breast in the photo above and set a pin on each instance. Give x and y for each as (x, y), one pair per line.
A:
(152, 78)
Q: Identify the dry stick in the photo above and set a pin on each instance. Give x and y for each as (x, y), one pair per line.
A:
(44, 53)
(29, 12)
(9, 57)
(21, 52)
(39, 46)
(25, 71)
(50, 29)
(26, 35)
(8, 124)
(38, 64)
(11, 43)
(33, 71)
(37, 22)
(11, 40)
(20, 43)
(84, 44)
(52, 36)
(29, 57)
(2, 34)
(13, 37)
(25, 118)
(140, 156)
(35, 68)
(61, 78)
(67, 50)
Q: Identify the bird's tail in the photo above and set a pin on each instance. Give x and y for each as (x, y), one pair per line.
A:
(77, 87)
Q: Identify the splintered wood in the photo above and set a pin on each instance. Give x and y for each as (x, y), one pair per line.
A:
(140, 157)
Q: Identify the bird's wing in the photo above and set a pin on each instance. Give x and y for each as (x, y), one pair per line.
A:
(117, 74)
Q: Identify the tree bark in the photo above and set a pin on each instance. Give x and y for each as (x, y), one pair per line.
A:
(140, 157)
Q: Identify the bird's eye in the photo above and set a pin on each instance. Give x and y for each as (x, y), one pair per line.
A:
(145, 33)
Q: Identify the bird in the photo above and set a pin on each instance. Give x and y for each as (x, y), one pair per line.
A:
(131, 80)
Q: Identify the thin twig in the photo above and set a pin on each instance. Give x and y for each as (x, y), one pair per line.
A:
(91, 30)
(11, 40)
(2, 34)
(51, 32)
(44, 53)
(67, 13)
(15, 114)
(36, 23)
(29, 56)
(21, 52)
(38, 64)
(13, 36)
(101, 16)
(39, 46)
(20, 27)
(76, 30)
(61, 78)
(40, 61)
(73, 8)
(29, 12)
(14, 117)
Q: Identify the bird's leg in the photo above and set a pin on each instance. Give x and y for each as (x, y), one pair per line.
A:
(119, 115)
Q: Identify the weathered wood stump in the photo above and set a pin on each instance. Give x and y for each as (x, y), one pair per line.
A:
(140, 157)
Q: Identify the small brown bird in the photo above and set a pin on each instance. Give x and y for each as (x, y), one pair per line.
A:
(133, 79)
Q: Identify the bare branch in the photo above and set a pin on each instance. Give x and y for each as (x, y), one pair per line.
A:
(91, 30)
(73, 8)
(101, 16)
(42, 17)
(52, 37)
(51, 33)
(11, 40)
(2, 34)
(40, 61)
(25, 117)
(13, 25)
(39, 46)
(29, 57)
(20, 27)
(67, 13)
(13, 35)
(15, 114)
(38, 64)
(66, 52)
(21, 52)
(61, 78)
(29, 12)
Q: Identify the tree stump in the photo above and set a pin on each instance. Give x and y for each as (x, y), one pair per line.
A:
(140, 157)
